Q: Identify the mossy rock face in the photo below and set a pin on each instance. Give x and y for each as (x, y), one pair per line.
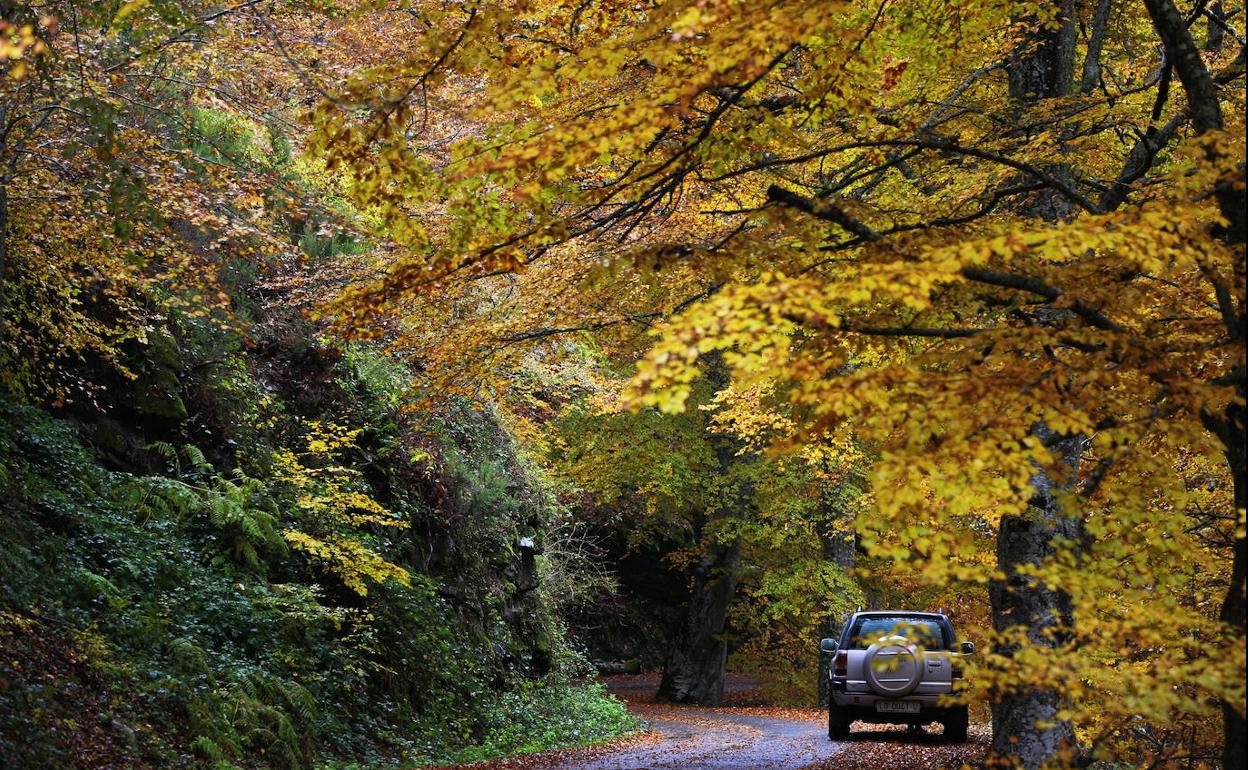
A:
(158, 398)
(156, 389)
(114, 443)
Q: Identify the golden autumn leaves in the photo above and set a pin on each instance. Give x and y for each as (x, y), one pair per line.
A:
(833, 198)
(333, 511)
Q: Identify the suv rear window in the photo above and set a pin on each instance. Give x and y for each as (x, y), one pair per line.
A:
(926, 632)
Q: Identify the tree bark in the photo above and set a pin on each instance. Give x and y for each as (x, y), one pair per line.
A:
(1229, 428)
(1091, 76)
(1024, 721)
(694, 669)
(1047, 69)
(1202, 99)
(1234, 751)
(1215, 35)
(842, 552)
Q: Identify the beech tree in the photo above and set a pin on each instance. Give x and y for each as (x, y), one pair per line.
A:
(999, 242)
(909, 220)
(748, 534)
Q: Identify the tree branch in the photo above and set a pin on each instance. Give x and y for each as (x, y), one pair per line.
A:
(821, 209)
(1093, 316)
(1202, 101)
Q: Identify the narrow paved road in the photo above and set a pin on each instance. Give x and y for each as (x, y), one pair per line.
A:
(690, 738)
(741, 737)
(708, 740)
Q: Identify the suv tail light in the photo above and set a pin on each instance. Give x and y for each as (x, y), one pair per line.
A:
(957, 671)
(841, 668)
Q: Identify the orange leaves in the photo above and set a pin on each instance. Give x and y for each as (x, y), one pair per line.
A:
(892, 75)
(554, 178)
(18, 44)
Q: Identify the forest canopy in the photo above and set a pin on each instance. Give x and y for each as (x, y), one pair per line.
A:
(817, 304)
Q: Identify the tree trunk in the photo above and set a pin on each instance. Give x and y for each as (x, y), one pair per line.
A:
(1229, 428)
(1234, 751)
(697, 655)
(1091, 77)
(842, 552)
(1215, 35)
(694, 669)
(1048, 67)
(1202, 99)
(1024, 722)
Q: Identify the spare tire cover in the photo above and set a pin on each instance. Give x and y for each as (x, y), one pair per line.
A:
(892, 666)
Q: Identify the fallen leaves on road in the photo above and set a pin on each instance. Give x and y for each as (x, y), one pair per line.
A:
(779, 712)
(721, 738)
(563, 757)
(741, 694)
(874, 746)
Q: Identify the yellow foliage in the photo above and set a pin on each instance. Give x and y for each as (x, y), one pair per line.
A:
(333, 507)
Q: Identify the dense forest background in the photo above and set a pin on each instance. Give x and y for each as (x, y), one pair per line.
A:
(374, 375)
(224, 542)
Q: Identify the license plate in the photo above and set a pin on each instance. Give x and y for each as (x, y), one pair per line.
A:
(897, 706)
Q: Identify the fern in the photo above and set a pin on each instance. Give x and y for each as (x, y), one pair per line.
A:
(196, 457)
(190, 656)
(166, 450)
(240, 509)
(207, 748)
(254, 716)
(158, 497)
(95, 586)
(196, 463)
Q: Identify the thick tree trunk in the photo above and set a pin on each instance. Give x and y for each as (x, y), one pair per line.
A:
(1024, 722)
(1234, 751)
(1091, 76)
(697, 655)
(696, 658)
(842, 552)
(1202, 100)
(1206, 112)
(1048, 67)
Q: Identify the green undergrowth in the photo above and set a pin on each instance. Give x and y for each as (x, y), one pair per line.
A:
(537, 718)
(166, 620)
(244, 554)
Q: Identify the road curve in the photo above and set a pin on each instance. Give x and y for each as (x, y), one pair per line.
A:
(693, 738)
(739, 737)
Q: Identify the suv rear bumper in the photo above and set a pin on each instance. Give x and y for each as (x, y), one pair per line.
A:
(861, 706)
(925, 715)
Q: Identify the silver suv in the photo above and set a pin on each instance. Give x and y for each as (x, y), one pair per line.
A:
(894, 667)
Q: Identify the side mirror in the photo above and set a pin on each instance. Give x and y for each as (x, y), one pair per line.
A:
(968, 648)
(828, 645)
